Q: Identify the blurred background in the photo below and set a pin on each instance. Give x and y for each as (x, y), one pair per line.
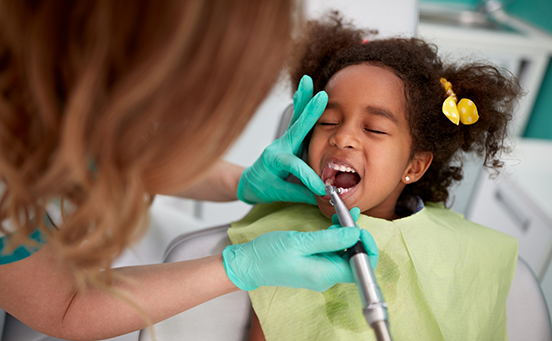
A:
(513, 34)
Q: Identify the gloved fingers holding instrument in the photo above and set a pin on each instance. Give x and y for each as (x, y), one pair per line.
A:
(367, 240)
(265, 180)
(291, 259)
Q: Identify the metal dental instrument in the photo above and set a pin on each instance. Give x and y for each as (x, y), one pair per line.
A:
(374, 307)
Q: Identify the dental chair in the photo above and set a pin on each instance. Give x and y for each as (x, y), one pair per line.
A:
(224, 318)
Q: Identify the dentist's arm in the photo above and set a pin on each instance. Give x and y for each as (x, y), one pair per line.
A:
(220, 183)
(40, 291)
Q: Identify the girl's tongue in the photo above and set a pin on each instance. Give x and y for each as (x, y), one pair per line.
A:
(346, 180)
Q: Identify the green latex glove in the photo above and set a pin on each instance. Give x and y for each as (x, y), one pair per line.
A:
(291, 259)
(265, 180)
(365, 237)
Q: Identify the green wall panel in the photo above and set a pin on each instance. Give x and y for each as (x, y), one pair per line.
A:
(537, 12)
(540, 122)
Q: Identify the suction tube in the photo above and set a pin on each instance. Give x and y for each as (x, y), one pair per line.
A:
(374, 307)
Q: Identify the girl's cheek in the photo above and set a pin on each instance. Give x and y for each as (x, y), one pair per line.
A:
(312, 151)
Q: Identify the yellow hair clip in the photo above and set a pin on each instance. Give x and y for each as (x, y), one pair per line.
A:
(465, 111)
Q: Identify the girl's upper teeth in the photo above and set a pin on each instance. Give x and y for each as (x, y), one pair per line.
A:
(341, 168)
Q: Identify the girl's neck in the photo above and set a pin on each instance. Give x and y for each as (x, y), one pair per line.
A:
(383, 211)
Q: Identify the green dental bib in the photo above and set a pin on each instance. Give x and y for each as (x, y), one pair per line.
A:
(443, 278)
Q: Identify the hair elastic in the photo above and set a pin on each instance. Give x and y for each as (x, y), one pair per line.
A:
(465, 111)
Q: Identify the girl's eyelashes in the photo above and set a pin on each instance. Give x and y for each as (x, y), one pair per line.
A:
(375, 131)
(329, 123)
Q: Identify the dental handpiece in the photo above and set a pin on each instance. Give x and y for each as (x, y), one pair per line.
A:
(374, 307)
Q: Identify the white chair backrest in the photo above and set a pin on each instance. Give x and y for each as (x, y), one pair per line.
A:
(526, 309)
(224, 318)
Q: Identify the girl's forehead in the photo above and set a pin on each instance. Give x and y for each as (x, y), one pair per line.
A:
(367, 82)
(370, 73)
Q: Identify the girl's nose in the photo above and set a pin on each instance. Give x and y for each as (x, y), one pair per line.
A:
(345, 137)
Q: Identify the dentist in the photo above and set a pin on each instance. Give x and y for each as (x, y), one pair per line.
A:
(104, 104)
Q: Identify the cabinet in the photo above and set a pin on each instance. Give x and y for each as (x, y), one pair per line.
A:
(519, 202)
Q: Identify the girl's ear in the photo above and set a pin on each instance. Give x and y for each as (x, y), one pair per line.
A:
(417, 167)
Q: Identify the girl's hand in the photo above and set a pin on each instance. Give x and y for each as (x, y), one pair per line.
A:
(265, 180)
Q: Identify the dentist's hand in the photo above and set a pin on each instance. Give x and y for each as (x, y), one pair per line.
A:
(265, 180)
(291, 259)
(367, 240)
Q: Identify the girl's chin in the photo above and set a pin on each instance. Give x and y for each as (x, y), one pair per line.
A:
(326, 208)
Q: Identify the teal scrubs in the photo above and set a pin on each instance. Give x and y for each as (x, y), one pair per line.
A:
(23, 251)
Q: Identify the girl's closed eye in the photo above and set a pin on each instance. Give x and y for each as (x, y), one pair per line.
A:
(375, 131)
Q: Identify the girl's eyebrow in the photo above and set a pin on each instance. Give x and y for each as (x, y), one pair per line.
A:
(378, 111)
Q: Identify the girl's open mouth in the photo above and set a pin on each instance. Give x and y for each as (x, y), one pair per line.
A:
(340, 175)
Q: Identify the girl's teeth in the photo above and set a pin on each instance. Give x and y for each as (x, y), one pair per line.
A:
(328, 183)
(341, 168)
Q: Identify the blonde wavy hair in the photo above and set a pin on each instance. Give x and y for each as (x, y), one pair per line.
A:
(103, 103)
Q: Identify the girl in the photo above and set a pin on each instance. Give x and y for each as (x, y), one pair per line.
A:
(391, 136)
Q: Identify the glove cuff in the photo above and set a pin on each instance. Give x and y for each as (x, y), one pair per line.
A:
(230, 256)
(242, 188)
(239, 193)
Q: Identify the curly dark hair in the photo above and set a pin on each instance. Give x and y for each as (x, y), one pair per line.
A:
(330, 45)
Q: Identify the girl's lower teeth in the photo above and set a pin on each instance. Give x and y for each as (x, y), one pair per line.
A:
(343, 190)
